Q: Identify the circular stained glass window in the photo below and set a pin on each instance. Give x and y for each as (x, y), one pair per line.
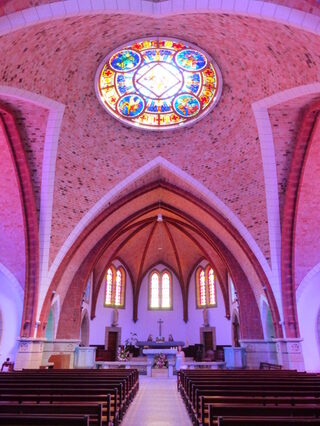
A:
(158, 83)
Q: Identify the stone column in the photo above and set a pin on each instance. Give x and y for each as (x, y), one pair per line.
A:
(150, 358)
(290, 353)
(259, 351)
(29, 353)
(60, 347)
(35, 352)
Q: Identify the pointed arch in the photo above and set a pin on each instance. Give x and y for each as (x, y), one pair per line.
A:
(30, 219)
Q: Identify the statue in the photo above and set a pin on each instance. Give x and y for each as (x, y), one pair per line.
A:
(115, 318)
(150, 338)
(170, 338)
(205, 317)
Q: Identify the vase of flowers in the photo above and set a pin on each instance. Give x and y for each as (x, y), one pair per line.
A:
(160, 366)
(160, 361)
(123, 353)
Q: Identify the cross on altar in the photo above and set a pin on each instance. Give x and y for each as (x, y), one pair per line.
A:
(160, 322)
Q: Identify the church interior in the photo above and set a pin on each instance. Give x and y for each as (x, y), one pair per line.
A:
(160, 187)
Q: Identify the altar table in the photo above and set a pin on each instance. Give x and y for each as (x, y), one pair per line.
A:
(151, 353)
(154, 344)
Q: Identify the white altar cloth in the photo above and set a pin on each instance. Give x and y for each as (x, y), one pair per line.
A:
(151, 353)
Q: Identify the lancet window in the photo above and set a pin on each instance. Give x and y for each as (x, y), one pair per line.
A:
(160, 290)
(115, 281)
(206, 287)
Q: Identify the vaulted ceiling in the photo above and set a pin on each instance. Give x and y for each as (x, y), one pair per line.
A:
(236, 161)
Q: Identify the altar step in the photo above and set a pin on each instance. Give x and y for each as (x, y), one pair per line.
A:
(157, 403)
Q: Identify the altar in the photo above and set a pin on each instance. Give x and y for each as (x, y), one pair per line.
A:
(151, 353)
(160, 345)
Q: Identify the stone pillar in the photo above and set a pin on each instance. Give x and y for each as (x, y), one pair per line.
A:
(29, 353)
(60, 347)
(290, 353)
(35, 352)
(171, 364)
(149, 364)
(235, 357)
(84, 357)
(259, 351)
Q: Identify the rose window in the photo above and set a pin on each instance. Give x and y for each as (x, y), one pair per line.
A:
(158, 83)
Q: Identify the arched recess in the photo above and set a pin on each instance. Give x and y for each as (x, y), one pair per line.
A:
(308, 134)
(145, 267)
(12, 138)
(11, 306)
(49, 331)
(53, 319)
(266, 318)
(84, 329)
(308, 307)
(235, 323)
(119, 219)
(250, 310)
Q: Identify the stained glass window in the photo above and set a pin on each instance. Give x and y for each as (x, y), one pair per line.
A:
(115, 281)
(206, 287)
(158, 83)
(160, 290)
(155, 293)
(233, 291)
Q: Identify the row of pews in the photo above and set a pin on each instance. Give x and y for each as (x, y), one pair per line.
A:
(66, 397)
(250, 397)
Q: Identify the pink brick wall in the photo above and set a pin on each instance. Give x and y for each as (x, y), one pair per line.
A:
(286, 120)
(307, 232)
(31, 122)
(223, 146)
(12, 242)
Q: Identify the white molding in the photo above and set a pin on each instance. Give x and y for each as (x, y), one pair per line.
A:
(15, 283)
(306, 280)
(260, 110)
(252, 8)
(56, 111)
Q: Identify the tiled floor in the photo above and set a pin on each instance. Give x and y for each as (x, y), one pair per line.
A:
(157, 403)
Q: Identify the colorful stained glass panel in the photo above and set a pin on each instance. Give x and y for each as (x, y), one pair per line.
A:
(191, 60)
(186, 105)
(125, 60)
(131, 105)
(158, 83)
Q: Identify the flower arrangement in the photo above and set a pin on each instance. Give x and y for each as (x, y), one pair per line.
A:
(123, 353)
(125, 350)
(160, 361)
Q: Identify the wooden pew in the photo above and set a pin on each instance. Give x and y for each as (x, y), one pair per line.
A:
(108, 412)
(262, 421)
(203, 413)
(254, 410)
(34, 420)
(92, 410)
(195, 386)
(115, 389)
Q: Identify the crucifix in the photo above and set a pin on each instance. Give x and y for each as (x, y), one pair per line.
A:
(160, 322)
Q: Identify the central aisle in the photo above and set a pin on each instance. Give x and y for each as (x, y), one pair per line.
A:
(158, 403)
